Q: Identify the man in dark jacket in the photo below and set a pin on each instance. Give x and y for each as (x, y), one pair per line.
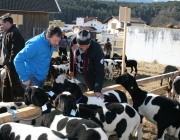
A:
(87, 56)
(1, 35)
(108, 48)
(12, 43)
(63, 45)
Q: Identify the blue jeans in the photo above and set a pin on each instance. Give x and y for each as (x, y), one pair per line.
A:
(34, 82)
(81, 81)
(108, 52)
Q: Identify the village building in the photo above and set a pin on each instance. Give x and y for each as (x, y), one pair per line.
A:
(30, 16)
(115, 19)
(93, 23)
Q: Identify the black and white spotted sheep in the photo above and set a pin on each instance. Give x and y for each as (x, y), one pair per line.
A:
(17, 131)
(160, 110)
(5, 106)
(176, 87)
(56, 86)
(109, 96)
(114, 118)
(78, 128)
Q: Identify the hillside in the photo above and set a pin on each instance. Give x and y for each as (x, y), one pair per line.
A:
(157, 14)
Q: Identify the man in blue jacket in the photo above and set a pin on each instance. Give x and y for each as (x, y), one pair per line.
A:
(33, 61)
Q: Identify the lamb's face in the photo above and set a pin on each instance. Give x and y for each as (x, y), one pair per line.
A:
(53, 61)
(35, 95)
(127, 81)
(67, 86)
(73, 88)
(67, 103)
(176, 83)
(58, 60)
(27, 95)
(56, 88)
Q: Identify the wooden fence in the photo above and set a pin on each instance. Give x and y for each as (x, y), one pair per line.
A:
(37, 30)
(32, 111)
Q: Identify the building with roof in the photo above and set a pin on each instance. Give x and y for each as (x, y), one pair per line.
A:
(92, 23)
(31, 16)
(115, 19)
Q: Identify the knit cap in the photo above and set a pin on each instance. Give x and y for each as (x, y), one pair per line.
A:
(83, 37)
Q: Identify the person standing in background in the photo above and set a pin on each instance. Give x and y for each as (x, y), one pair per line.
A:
(12, 43)
(108, 47)
(63, 45)
(32, 63)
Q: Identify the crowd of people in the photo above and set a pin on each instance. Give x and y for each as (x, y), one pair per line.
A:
(25, 67)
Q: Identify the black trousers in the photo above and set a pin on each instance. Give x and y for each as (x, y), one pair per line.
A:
(11, 84)
(62, 51)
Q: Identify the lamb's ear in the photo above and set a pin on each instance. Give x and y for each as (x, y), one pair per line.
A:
(28, 90)
(27, 95)
(132, 82)
(57, 100)
(35, 100)
(26, 99)
(51, 96)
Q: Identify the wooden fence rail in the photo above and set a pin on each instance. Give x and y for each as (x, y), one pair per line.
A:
(33, 111)
(139, 82)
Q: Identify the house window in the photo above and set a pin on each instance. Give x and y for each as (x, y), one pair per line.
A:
(122, 24)
(91, 24)
(94, 24)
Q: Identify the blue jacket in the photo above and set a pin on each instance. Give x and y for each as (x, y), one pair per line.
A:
(34, 58)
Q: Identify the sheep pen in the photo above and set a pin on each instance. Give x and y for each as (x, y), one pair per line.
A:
(147, 70)
(144, 70)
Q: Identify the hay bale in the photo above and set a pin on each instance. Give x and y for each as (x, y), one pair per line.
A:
(176, 27)
(169, 26)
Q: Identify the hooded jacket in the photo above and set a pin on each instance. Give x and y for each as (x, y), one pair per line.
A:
(93, 66)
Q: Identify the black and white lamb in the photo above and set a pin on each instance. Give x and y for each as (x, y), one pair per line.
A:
(109, 64)
(17, 131)
(129, 62)
(160, 110)
(176, 87)
(114, 118)
(5, 106)
(56, 86)
(72, 128)
(109, 96)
